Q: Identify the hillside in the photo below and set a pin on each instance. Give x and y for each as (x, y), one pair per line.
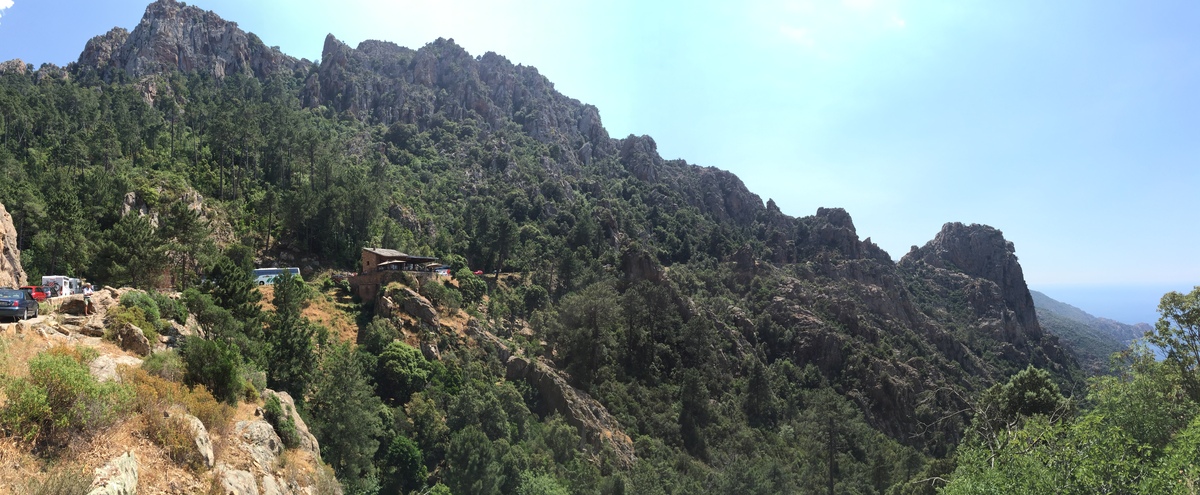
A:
(1091, 339)
(720, 345)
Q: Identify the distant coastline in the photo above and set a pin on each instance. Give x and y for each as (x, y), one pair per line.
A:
(1130, 304)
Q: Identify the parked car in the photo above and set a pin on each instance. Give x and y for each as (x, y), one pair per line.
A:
(39, 293)
(479, 272)
(17, 304)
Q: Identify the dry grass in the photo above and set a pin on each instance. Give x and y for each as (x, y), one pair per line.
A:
(331, 309)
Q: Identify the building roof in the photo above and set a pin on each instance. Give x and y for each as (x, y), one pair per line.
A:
(389, 253)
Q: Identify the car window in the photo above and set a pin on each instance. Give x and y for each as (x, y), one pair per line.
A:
(10, 293)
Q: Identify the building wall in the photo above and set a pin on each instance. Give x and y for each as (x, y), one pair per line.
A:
(367, 285)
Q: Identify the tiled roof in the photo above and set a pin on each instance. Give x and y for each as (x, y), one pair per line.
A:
(390, 253)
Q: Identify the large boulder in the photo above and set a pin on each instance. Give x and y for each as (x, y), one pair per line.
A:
(261, 442)
(201, 438)
(118, 477)
(235, 481)
(104, 367)
(11, 273)
(131, 338)
(403, 298)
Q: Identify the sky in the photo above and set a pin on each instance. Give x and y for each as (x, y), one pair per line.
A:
(1069, 125)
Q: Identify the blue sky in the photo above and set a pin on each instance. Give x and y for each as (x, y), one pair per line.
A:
(1070, 125)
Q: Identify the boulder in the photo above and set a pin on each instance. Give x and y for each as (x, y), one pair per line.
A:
(416, 305)
(93, 326)
(104, 367)
(118, 477)
(308, 442)
(235, 481)
(201, 438)
(261, 442)
(131, 338)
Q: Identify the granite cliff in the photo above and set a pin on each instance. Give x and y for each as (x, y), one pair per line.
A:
(11, 274)
(173, 36)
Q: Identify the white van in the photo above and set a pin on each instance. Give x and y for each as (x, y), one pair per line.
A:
(63, 283)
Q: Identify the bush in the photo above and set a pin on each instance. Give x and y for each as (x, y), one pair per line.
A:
(473, 287)
(165, 364)
(442, 296)
(215, 365)
(138, 299)
(67, 480)
(170, 309)
(60, 398)
(155, 394)
(123, 315)
(281, 420)
(174, 434)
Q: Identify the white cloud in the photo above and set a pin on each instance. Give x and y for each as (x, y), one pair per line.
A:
(5, 5)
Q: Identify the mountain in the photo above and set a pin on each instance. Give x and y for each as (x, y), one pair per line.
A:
(731, 343)
(1091, 338)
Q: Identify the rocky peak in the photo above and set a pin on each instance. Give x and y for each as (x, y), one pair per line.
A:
(980, 251)
(174, 36)
(14, 66)
(832, 229)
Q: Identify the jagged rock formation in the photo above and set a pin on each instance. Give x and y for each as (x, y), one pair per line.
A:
(14, 66)
(172, 36)
(589, 417)
(975, 267)
(11, 273)
(387, 83)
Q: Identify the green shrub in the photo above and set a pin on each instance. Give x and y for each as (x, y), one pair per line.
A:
(472, 286)
(214, 364)
(165, 364)
(170, 309)
(281, 420)
(441, 296)
(136, 316)
(138, 299)
(60, 398)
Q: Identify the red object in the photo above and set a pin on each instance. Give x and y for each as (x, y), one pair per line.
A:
(38, 294)
(479, 272)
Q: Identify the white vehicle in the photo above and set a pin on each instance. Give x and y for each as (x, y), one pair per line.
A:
(266, 276)
(63, 283)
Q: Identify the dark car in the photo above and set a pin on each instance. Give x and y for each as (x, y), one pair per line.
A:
(39, 293)
(17, 304)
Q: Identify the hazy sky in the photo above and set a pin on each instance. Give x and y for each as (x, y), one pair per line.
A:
(1069, 125)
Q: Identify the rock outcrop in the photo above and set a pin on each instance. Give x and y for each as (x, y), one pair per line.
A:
(11, 273)
(104, 367)
(118, 477)
(174, 36)
(398, 298)
(589, 417)
(261, 442)
(200, 438)
(308, 442)
(14, 66)
(131, 338)
(597, 427)
(980, 251)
